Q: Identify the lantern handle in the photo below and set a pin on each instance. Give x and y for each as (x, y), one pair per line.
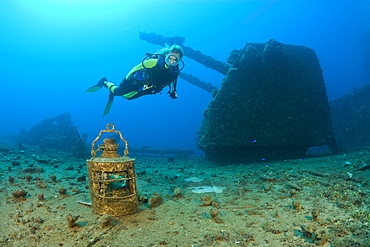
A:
(109, 130)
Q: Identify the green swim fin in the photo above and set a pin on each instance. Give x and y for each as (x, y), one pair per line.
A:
(97, 86)
(109, 104)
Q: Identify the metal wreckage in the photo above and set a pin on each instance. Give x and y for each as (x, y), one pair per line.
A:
(272, 103)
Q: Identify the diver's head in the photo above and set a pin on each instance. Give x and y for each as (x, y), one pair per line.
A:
(173, 54)
(172, 59)
(176, 49)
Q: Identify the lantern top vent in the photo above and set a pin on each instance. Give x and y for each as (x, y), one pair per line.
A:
(109, 147)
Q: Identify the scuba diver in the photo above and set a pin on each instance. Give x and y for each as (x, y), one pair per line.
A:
(154, 73)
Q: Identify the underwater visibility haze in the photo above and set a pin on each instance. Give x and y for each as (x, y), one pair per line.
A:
(297, 75)
(52, 51)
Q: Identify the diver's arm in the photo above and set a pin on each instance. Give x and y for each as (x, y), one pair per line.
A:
(172, 93)
(150, 63)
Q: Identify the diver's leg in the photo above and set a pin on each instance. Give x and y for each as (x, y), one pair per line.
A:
(122, 90)
(111, 87)
(126, 86)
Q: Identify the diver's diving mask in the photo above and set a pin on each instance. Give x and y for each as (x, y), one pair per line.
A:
(172, 59)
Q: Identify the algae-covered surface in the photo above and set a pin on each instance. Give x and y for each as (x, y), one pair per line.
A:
(319, 201)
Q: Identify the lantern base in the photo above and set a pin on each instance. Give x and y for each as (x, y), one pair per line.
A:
(115, 207)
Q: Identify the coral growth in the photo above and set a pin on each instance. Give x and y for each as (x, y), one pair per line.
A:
(72, 220)
(20, 193)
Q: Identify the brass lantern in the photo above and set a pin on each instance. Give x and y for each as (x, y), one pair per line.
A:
(112, 178)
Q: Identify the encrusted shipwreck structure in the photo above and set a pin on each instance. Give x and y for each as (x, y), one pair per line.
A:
(272, 104)
(56, 133)
(351, 119)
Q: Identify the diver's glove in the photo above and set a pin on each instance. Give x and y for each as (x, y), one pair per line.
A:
(173, 95)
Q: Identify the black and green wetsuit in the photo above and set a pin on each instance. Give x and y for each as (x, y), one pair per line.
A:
(149, 77)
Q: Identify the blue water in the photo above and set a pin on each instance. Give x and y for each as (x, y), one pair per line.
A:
(52, 50)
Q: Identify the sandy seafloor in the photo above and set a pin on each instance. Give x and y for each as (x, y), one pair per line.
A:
(319, 201)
